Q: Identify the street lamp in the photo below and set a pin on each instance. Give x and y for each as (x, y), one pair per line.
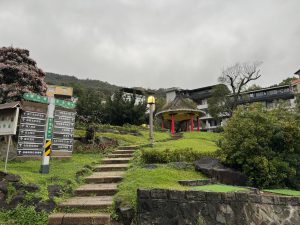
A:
(151, 102)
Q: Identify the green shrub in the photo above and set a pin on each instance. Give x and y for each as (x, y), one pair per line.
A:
(176, 155)
(23, 216)
(264, 144)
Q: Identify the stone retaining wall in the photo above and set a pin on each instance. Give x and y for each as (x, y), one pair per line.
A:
(172, 207)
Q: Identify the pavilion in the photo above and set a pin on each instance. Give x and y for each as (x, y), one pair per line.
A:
(181, 109)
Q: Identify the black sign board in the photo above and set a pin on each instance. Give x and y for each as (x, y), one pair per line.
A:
(34, 115)
(34, 133)
(64, 119)
(33, 146)
(63, 136)
(64, 113)
(61, 147)
(61, 130)
(32, 121)
(24, 126)
(31, 139)
(29, 152)
(62, 141)
(63, 124)
(31, 134)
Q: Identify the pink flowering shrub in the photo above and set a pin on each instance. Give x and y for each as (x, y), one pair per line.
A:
(19, 74)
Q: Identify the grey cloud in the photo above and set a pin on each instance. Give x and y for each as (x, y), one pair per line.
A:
(155, 43)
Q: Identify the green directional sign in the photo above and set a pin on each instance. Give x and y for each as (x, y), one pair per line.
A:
(35, 98)
(44, 99)
(49, 128)
(65, 104)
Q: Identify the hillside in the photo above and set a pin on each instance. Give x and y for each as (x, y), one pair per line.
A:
(67, 80)
(101, 86)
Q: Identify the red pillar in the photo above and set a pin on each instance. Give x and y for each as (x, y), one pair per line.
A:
(192, 122)
(162, 123)
(173, 125)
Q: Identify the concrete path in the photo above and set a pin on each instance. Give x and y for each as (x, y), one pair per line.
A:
(97, 194)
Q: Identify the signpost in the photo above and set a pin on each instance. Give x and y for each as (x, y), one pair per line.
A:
(53, 131)
(8, 126)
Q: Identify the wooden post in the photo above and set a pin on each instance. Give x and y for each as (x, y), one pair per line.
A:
(162, 123)
(7, 152)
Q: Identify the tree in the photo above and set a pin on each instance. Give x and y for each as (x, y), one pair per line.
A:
(219, 103)
(19, 74)
(253, 87)
(264, 144)
(119, 111)
(89, 107)
(287, 81)
(236, 78)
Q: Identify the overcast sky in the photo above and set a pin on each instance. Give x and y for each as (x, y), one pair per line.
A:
(158, 43)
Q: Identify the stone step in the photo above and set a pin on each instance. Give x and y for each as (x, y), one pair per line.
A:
(120, 155)
(124, 151)
(97, 189)
(115, 160)
(91, 202)
(105, 177)
(111, 167)
(79, 219)
(131, 147)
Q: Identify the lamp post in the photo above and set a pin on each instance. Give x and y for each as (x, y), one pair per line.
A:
(151, 102)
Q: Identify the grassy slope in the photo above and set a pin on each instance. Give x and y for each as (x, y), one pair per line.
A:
(60, 171)
(163, 176)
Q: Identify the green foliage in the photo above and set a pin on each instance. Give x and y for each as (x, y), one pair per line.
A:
(23, 216)
(264, 144)
(119, 111)
(219, 188)
(287, 81)
(253, 87)
(89, 107)
(176, 155)
(219, 103)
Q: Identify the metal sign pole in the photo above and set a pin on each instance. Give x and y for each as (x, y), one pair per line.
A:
(48, 136)
(151, 124)
(7, 152)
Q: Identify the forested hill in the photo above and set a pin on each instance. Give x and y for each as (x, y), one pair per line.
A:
(87, 84)
(72, 81)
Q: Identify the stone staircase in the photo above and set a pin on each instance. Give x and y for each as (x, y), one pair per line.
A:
(97, 193)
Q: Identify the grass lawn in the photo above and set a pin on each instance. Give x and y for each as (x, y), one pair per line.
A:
(189, 148)
(128, 138)
(219, 188)
(288, 192)
(61, 171)
(198, 141)
(163, 176)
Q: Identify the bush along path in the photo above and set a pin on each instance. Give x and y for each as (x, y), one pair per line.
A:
(97, 194)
